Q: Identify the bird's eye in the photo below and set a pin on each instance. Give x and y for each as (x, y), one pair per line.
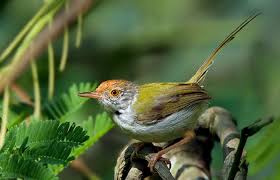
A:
(115, 92)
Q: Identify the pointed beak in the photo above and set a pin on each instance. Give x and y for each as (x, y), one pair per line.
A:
(93, 95)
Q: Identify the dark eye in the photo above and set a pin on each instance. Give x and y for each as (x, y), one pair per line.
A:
(115, 92)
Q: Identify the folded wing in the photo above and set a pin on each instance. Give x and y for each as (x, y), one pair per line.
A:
(159, 100)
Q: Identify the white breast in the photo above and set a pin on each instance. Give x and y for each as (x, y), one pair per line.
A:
(169, 128)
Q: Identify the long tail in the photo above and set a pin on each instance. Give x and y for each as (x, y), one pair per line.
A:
(202, 71)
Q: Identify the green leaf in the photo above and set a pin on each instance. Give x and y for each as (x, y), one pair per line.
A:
(14, 166)
(54, 153)
(42, 133)
(95, 130)
(48, 143)
(266, 150)
(69, 102)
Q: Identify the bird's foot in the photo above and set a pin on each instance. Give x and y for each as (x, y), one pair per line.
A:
(157, 157)
(189, 135)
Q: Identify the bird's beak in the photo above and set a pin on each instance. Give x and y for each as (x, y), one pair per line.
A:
(93, 95)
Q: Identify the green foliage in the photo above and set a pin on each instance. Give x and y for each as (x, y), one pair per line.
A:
(266, 150)
(63, 107)
(15, 166)
(95, 130)
(44, 147)
(69, 102)
(31, 149)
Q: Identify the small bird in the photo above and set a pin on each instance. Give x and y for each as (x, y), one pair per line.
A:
(159, 112)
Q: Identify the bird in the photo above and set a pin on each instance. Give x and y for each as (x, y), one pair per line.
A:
(160, 112)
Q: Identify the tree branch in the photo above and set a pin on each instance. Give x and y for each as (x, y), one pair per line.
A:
(136, 167)
(13, 70)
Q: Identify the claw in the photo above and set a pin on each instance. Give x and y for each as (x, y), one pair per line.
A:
(155, 158)
(137, 148)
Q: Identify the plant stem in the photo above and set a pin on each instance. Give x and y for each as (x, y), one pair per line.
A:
(36, 86)
(5, 116)
(44, 9)
(64, 50)
(51, 71)
(79, 31)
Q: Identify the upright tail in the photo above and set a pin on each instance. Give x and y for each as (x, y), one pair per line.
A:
(202, 71)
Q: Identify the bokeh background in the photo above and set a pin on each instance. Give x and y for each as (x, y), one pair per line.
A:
(162, 40)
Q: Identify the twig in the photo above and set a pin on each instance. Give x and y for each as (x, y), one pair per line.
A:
(22, 94)
(245, 133)
(63, 19)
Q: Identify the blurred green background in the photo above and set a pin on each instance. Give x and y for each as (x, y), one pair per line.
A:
(163, 40)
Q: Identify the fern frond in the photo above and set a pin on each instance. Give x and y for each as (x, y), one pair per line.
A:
(14, 166)
(53, 153)
(42, 133)
(95, 130)
(69, 102)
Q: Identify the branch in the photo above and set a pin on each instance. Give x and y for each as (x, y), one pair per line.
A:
(21, 94)
(245, 133)
(12, 71)
(136, 168)
(221, 124)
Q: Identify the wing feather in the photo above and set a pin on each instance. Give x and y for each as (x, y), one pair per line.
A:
(159, 100)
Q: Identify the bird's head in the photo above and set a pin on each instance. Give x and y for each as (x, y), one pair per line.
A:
(115, 95)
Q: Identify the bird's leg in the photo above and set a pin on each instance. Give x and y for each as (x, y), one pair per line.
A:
(137, 148)
(189, 135)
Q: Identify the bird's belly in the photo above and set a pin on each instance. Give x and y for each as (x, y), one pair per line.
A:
(169, 128)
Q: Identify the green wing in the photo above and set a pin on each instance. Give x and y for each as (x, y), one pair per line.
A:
(158, 100)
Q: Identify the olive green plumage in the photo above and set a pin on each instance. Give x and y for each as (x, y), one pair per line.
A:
(155, 101)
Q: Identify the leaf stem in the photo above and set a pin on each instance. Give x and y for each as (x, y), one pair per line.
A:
(79, 31)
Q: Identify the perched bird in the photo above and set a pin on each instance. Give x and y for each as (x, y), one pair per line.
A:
(159, 112)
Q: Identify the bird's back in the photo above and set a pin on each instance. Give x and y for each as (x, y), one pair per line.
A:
(156, 101)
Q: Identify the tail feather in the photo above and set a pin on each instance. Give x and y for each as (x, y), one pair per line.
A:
(202, 71)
